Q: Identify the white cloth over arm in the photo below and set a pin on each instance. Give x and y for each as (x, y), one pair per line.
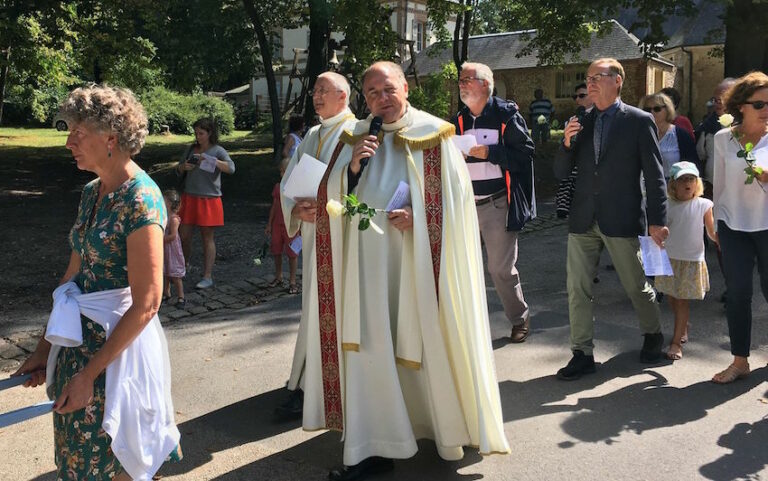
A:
(138, 410)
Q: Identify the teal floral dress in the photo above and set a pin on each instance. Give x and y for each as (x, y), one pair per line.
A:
(99, 236)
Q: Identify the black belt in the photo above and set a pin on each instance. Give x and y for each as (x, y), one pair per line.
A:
(495, 196)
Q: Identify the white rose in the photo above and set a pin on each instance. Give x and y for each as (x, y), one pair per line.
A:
(334, 208)
(725, 120)
(541, 120)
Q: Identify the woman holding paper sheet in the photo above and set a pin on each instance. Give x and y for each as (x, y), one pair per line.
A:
(741, 210)
(111, 420)
(201, 206)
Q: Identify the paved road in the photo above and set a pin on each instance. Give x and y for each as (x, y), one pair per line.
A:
(626, 422)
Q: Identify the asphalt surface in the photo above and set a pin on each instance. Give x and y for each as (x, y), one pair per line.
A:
(628, 421)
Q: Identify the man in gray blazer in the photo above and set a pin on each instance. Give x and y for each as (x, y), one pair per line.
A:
(611, 147)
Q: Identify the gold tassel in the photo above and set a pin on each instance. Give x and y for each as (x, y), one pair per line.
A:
(350, 346)
(350, 139)
(430, 141)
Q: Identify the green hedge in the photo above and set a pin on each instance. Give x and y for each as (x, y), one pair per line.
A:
(179, 112)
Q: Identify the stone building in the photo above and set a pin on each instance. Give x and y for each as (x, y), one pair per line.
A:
(695, 49)
(517, 77)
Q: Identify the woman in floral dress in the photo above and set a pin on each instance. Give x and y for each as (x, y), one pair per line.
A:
(116, 242)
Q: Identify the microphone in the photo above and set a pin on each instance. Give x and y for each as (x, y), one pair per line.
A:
(581, 112)
(372, 130)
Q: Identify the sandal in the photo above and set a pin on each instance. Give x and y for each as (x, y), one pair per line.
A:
(684, 339)
(675, 352)
(293, 289)
(730, 374)
(275, 283)
(181, 303)
(166, 297)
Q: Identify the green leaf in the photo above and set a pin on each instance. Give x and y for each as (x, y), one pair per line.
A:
(750, 179)
(364, 223)
(363, 206)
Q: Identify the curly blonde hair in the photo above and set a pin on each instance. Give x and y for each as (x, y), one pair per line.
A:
(672, 192)
(109, 109)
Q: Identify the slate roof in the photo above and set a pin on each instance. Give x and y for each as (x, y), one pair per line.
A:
(705, 27)
(499, 50)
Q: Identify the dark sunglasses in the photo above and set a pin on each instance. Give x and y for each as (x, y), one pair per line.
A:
(655, 108)
(578, 96)
(757, 104)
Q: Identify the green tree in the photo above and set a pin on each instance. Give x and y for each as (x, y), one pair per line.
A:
(746, 39)
(275, 14)
(434, 94)
(35, 54)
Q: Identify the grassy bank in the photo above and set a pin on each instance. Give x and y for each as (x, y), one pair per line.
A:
(35, 162)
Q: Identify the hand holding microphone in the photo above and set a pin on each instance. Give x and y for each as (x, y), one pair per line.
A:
(366, 148)
(573, 128)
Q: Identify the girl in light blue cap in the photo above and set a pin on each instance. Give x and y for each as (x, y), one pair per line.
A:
(687, 214)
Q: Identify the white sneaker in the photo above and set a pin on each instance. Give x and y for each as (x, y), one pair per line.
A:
(204, 283)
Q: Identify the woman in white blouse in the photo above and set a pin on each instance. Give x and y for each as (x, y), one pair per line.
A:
(741, 212)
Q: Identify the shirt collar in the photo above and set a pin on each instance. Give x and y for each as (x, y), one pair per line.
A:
(611, 110)
(336, 118)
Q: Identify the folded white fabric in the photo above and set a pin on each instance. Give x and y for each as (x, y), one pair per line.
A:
(138, 411)
(64, 328)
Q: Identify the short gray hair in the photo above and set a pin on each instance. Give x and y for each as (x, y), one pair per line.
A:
(339, 81)
(482, 71)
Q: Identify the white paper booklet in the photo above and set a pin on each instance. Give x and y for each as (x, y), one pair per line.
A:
(401, 197)
(464, 142)
(305, 178)
(207, 163)
(655, 258)
(295, 245)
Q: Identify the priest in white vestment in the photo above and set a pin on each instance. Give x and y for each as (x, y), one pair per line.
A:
(330, 97)
(398, 343)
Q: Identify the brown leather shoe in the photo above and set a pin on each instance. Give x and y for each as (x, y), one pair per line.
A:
(520, 331)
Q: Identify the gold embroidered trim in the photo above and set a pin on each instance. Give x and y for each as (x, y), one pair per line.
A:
(428, 141)
(350, 139)
(350, 346)
(408, 364)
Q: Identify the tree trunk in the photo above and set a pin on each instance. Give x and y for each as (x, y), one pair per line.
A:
(4, 79)
(746, 40)
(317, 60)
(266, 57)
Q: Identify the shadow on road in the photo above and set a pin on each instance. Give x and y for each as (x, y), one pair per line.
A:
(639, 407)
(324, 452)
(749, 453)
(231, 426)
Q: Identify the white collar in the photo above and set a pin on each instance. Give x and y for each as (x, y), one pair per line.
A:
(331, 121)
(403, 121)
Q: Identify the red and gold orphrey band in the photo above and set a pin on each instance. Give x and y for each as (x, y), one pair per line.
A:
(329, 350)
(433, 203)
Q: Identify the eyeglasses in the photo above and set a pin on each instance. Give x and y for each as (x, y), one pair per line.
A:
(321, 92)
(578, 96)
(466, 80)
(655, 108)
(757, 104)
(593, 79)
(716, 100)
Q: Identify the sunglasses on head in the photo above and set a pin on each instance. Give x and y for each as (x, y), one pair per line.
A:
(757, 104)
(578, 96)
(655, 108)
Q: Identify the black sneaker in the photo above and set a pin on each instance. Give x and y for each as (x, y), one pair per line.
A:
(651, 351)
(579, 365)
(292, 408)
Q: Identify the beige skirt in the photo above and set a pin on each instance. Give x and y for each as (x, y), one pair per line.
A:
(691, 280)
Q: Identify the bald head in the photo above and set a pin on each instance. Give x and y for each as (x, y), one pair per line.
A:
(330, 95)
(339, 81)
(386, 91)
(388, 68)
